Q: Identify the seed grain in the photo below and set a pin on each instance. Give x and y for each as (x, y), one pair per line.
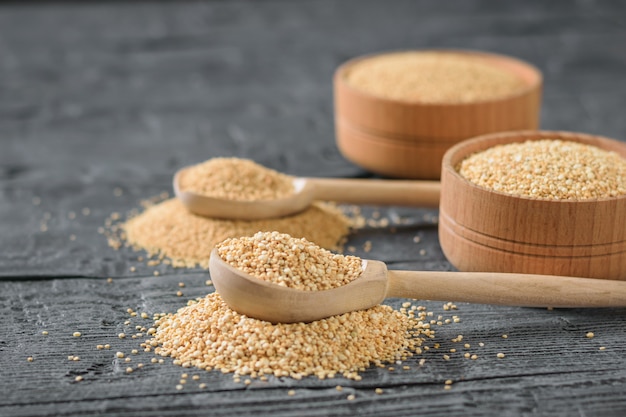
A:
(433, 77)
(236, 179)
(290, 262)
(548, 169)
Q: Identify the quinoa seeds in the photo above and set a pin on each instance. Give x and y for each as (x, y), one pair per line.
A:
(548, 169)
(236, 179)
(207, 334)
(290, 262)
(433, 77)
(168, 230)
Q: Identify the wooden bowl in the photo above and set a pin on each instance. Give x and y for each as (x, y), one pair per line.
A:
(485, 230)
(426, 130)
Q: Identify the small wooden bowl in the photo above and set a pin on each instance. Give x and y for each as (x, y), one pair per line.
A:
(485, 230)
(414, 135)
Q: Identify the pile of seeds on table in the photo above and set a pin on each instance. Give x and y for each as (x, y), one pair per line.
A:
(548, 169)
(433, 77)
(207, 334)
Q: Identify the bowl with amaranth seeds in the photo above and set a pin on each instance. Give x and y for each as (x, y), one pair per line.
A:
(542, 202)
(397, 113)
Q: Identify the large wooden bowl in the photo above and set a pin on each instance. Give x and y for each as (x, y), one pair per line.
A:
(407, 139)
(485, 230)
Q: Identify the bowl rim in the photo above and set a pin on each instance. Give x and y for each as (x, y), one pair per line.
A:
(536, 82)
(455, 155)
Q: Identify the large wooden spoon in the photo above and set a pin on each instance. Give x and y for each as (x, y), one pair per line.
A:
(354, 191)
(271, 302)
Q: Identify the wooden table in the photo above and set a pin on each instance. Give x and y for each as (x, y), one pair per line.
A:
(101, 102)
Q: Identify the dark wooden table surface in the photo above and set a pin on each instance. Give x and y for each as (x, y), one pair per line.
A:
(101, 102)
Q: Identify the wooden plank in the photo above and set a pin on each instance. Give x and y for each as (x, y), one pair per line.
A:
(547, 356)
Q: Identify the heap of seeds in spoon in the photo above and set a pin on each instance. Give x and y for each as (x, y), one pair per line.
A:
(290, 262)
(208, 334)
(236, 179)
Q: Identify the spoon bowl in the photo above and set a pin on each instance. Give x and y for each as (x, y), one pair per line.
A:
(223, 208)
(271, 302)
(307, 190)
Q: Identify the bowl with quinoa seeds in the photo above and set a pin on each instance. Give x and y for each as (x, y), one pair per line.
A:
(536, 202)
(396, 113)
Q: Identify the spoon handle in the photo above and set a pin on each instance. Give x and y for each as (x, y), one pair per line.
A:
(377, 192)
(507, 289)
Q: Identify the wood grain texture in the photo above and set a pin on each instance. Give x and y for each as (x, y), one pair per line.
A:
(544, 360)
(102, 102)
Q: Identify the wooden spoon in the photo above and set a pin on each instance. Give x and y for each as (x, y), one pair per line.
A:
(277, 304)
(354, 191)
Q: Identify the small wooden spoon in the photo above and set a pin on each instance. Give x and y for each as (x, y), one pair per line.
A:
(354, 191)
(277, 304)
